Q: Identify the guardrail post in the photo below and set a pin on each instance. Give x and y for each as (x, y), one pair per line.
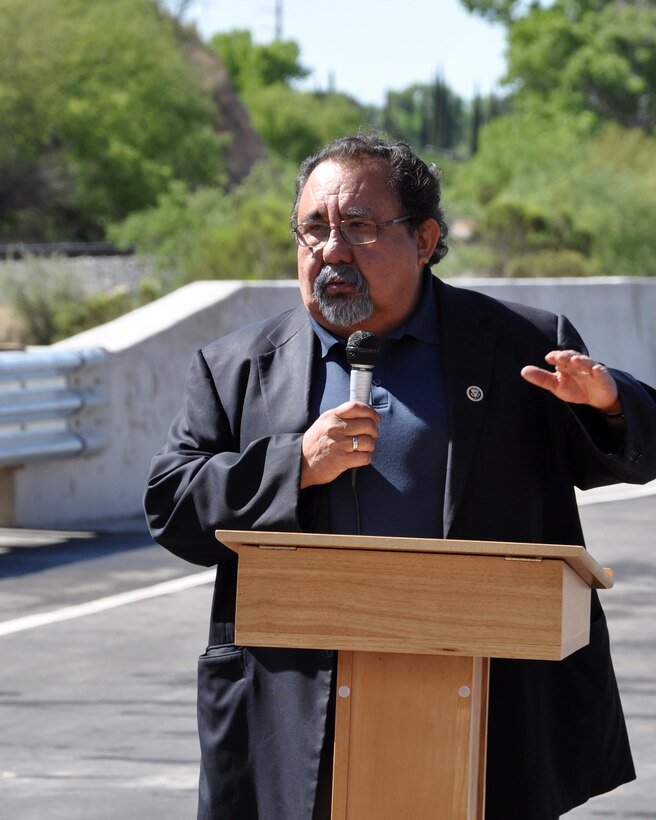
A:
(7, 497)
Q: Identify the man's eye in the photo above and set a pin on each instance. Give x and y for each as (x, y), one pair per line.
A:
(358, 224)
(314, 228)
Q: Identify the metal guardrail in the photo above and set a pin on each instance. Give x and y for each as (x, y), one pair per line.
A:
(19, 250)
(51, 404)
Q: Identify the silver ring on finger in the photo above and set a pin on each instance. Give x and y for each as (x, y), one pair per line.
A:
(355, 444)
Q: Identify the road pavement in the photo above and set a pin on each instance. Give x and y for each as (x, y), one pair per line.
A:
(99, 636)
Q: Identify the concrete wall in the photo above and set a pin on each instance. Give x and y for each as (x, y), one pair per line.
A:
(615, 315)
(150, 349)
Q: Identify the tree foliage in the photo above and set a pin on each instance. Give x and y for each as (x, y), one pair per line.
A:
(292, 123)
(253, 65)
(426, 115)
(211, 233)
(554, 182)
(432, 117)
(496, 11)
(594, 55)
(508, 12)
(567, 181)
(599, 57)
(99, 113)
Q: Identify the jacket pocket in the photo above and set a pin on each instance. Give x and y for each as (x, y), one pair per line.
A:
(223, 660)
(226, 788)
(222, 695)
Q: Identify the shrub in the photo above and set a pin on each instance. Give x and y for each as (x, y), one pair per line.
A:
(51, 300)
(216, 234)
(551, 263)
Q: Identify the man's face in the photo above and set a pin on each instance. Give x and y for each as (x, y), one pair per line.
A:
(352, 287)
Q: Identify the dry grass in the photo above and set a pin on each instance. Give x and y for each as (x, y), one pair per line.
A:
(11, 328)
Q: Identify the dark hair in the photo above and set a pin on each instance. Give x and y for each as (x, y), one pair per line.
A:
(415, 184)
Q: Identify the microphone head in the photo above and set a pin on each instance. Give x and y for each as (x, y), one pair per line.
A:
(363, 349)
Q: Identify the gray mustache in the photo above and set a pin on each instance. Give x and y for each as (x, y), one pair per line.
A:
(342, 273)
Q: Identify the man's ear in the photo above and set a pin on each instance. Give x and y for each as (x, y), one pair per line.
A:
(428, 234)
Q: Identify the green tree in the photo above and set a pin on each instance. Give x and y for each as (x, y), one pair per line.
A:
(594, 55)
(497, 11)
(407, 114)
(546, 181)
(99, 113)
(432, 117)
(567, 181)
(253, 65)
(445, 117)
(212, 233)
(426, 115)
(614, 197)
(292, 123)
(475, 124)
(598, 57)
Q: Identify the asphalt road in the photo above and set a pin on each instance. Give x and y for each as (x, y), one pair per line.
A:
(97, 703)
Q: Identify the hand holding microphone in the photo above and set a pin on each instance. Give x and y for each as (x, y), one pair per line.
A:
(344, 437)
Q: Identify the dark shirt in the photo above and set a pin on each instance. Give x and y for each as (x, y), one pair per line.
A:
(401, 493)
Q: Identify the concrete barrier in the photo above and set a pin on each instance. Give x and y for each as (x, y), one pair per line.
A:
(615, 315)
(150, 348)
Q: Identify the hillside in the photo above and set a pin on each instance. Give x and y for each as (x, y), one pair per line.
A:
(246, 147)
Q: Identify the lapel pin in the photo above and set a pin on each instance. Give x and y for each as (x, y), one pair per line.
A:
(474, 393)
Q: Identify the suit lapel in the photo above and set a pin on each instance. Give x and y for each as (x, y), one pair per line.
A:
(285, 374)
(468, 355)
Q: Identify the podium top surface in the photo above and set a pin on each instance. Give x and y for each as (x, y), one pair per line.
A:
(577, 557)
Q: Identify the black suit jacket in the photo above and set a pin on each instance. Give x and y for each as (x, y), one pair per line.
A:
(232, 460)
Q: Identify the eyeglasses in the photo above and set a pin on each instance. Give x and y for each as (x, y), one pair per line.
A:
(353, 231)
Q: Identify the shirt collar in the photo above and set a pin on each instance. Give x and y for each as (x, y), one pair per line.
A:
(327, 340)
(422, 324)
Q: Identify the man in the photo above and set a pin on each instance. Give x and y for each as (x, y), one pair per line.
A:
(468, 436)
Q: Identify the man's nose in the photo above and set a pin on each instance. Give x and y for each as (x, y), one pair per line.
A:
(336, 248)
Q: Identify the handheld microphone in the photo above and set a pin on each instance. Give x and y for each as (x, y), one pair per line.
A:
(362, 353)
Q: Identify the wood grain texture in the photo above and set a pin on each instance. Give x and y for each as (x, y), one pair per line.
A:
(418, 603)
(577, 557)
(411, 738)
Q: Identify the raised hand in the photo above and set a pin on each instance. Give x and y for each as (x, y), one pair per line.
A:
(577, 379)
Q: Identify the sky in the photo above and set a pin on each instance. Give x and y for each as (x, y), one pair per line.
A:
(367, 47)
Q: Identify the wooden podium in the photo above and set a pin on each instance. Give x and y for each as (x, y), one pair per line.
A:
(415, 622)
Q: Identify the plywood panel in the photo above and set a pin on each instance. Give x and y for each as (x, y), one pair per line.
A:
(410, 737)
(577, 557)
(410, 603)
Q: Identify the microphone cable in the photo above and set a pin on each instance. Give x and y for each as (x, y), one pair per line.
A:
(356, 500)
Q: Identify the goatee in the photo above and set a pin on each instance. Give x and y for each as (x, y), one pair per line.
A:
(343, 309)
